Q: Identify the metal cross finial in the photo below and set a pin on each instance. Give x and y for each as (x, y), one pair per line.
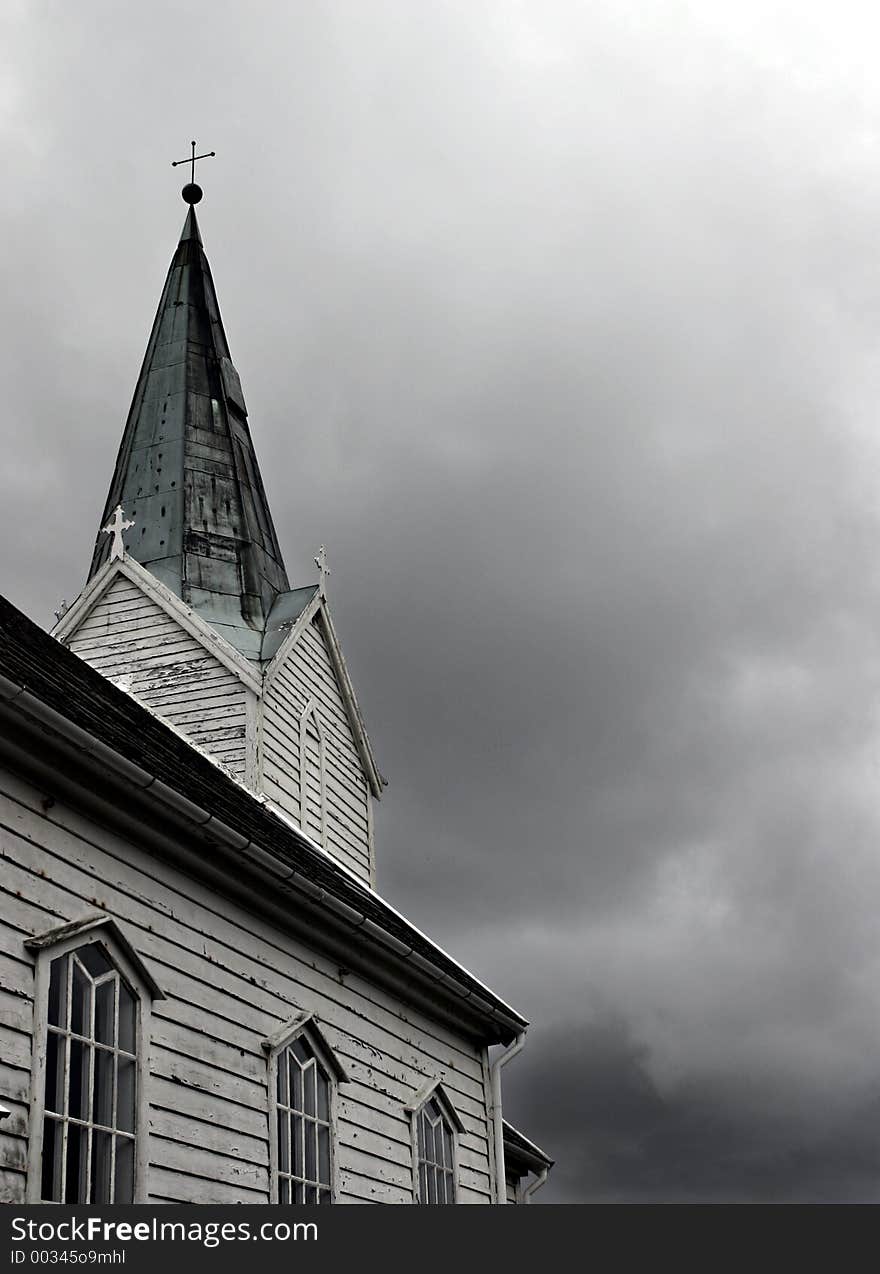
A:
(115, 527)
(321, 563)
(192, 160)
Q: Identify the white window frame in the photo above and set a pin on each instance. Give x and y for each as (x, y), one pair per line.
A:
(311, 713)
(51, 946)
(434, 1090)
(304, 1025)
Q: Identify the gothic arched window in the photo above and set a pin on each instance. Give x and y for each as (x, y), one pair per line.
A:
(435, 1130)
(303, 1073)
(92, 1002)
(312, 767)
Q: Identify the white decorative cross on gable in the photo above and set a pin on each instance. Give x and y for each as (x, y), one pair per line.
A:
(115, 528)
(321, 563)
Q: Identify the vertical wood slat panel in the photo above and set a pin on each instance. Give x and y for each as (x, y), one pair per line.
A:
(132, 641)
(308, 674)
(207, 1070)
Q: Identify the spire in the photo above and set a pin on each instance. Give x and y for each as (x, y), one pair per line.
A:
(187, 474)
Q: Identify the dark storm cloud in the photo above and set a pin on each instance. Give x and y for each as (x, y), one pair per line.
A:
(619, 1139)
(558, 325)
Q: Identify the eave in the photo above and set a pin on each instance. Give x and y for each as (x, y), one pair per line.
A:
(519, 1152)
(75, 733)
(183, 615)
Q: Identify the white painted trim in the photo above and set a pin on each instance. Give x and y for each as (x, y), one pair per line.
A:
(259, 745)
(306, 1024)
(278, 660)
(349, 698)
(371, 834)
(253, 732)
(223, 651)
(414, 1154)
(536, 1150)
(485, 1063)
(311, 712)
(78, 928)
(94, 929)
(93, 592)
(433, 1088)
(155, 591)
(318, 607)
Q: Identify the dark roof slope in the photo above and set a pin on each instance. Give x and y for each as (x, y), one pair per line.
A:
(57, 677)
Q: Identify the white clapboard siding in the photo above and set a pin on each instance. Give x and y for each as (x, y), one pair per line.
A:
(130, 639)
(16, 1012)
(231, 978)
(307, 674)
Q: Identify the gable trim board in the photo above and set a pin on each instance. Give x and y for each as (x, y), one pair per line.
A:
(318, 609)
(307, 1023)
(259, 682)
(331, 801)
(431, 1088)
(241, 845)
(145, 640)
(97, 925)
(156, 591)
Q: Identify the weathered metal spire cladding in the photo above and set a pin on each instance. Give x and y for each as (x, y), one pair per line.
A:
(187, 472)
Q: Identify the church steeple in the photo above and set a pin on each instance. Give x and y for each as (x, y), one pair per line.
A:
(188, 605)
(187, 472)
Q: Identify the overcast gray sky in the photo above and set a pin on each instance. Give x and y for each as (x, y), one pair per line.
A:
(559, 324)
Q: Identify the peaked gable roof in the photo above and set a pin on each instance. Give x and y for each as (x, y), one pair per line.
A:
(316, 608)
(48, 692)
(153, 588)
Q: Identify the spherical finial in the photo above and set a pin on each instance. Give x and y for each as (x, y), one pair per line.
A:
(191, 193)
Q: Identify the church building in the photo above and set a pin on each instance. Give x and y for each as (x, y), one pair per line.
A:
(205, 997)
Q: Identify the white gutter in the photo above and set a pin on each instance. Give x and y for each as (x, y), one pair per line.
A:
(188, 813)
(497, 1117)
(536, 1185)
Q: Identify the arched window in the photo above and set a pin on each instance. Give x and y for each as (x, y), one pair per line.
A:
(435, 1129)
(303, 1073)
(91, 1006)
(312, 765)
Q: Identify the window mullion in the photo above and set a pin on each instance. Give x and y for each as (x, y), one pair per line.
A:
(65, 1093)
(302, 1138)
(115, 1088)
(87, 1149)
(290, 1125)
(434, 1177)
(309, 1090)
(90, 1080)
